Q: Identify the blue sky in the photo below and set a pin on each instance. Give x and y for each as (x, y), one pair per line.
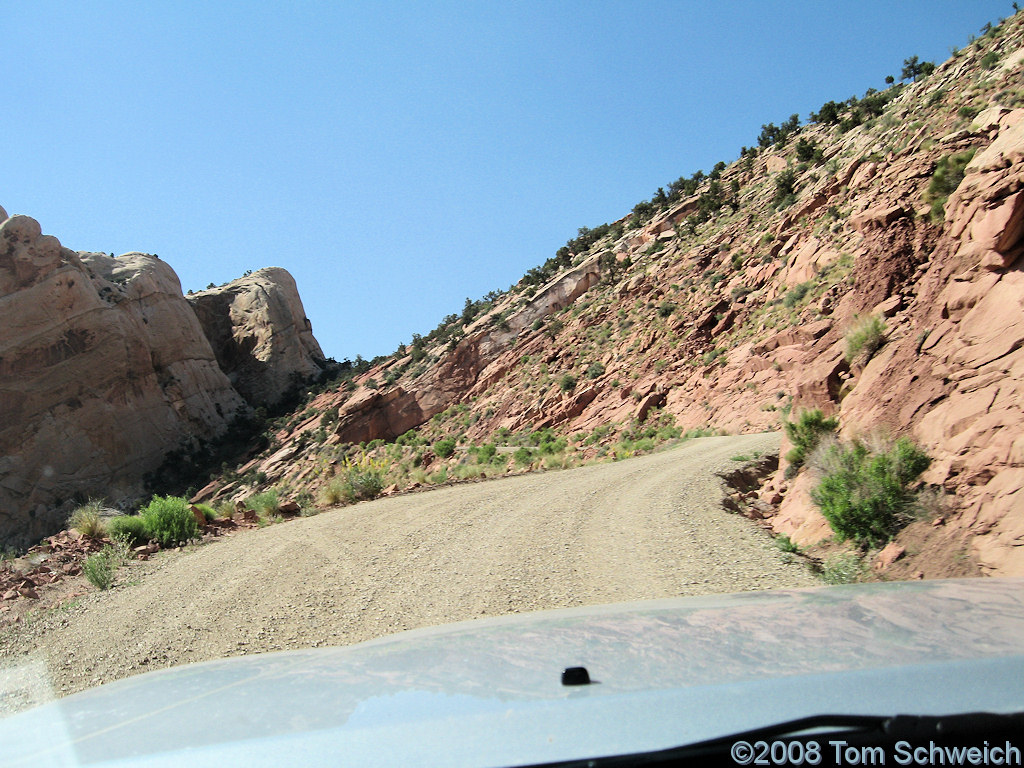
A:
(398, 158)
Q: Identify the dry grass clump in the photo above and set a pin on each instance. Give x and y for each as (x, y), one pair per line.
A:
(865, 337)
(88, 520)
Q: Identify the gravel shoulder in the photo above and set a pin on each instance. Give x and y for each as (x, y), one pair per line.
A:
(647, 527)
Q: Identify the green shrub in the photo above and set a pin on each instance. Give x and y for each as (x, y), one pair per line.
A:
(785, 188)
(666, 308)
(796, 294)
(711, 355)
(786, 544)
(169, 521)
(362, 477)
(842, 568)
(865, 337)
(265, 504)
(644, 445)
(444, 448)
(130, 528)
(364, 483)
(550, 447)
(410, 438)
(523, 456)
(805, 434)
(567, 383)
(486, 453)
(87, 520)
(668, 432)
(594, 370)
(865, 495)
(949, 172)
(99, 568)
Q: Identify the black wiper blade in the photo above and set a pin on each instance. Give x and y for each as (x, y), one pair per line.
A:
(851, 730)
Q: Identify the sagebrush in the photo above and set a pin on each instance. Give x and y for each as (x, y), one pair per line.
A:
(266, 505)
(842, 568)
(866, 495)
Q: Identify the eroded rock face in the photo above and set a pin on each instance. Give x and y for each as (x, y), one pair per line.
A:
(260, 334)
(384, 415)
(104, 368)
(952, 373)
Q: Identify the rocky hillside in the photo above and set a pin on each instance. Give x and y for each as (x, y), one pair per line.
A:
(734, 302)
(105, 368)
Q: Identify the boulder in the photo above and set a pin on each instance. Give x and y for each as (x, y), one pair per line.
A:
(878, 217)
(798, 517)
(890, 553)
(260, 334)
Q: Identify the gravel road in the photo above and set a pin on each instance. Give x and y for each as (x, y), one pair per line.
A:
(648, 527)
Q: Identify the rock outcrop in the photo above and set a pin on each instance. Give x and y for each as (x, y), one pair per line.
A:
(104, 368)
(260, 334)
(952, 371)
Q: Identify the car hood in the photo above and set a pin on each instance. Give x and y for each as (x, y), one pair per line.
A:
(489, 692)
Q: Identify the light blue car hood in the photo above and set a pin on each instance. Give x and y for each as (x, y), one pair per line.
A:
(489, 692)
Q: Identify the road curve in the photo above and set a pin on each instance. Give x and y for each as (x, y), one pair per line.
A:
(647, 527)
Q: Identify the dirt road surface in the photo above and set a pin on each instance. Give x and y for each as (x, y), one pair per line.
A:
(647, 527)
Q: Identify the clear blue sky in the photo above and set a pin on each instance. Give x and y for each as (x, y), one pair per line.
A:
(398, 158)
